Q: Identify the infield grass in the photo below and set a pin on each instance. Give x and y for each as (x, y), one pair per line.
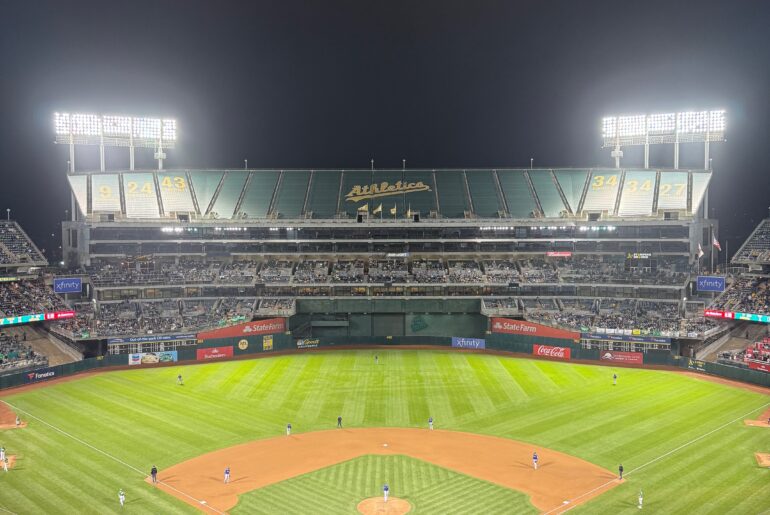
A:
(143, 418)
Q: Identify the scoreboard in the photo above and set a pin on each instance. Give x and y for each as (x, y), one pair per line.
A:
(640, 261)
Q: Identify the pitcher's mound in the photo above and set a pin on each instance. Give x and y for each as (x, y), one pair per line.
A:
(763, 459)
(376, 505)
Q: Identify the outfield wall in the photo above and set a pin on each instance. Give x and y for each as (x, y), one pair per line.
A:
(522, 345)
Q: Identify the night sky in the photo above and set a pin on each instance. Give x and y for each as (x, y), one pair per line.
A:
(327, 84)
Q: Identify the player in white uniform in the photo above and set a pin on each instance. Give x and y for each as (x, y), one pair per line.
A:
(430, 423)
(641, 499)
(2, 453)
(288, 429)
(534, 460)
(227, 475)
(122, 497)
(614, 379)
(385, 491)
(5, 464)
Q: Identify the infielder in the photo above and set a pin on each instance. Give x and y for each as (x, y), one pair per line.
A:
(288, 429)
(5, 464)
(620, 471)
(339, 421)
(154, 474)
(641, 499)
(430, 423)
(534, 459)
(18, 421)
(122, 497)
(2, 453)
(227, 475)
(614, 379)
(385, 491)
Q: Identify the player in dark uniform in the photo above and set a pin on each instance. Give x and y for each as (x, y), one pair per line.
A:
(620, 471)
(154, 474)
(339, 421)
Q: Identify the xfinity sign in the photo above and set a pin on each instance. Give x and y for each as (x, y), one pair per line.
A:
(68, 285)
(711, 283)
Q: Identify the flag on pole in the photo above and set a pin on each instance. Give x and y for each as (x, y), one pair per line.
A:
(409, 211)
(365, 208)
(716, 244)
(377, 209)
(700, 251)
(393, 210)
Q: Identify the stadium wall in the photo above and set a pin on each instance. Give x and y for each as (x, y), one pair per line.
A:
(249, 346)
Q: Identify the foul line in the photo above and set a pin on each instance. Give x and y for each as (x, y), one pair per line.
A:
(118, 460)
(654, 460)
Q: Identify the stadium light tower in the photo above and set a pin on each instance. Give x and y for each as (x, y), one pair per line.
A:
(115, 131)
(664, 128)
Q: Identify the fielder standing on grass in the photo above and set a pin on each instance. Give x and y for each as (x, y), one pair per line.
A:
(641, 498)
(5, 464)
(614, 379)
(339, 421)
(430, 423)
(122, 497)
(534, 459)
(2, 453)
(154, 474)
(385, 491)
(620, 472)
(179, 380)
(288, 429)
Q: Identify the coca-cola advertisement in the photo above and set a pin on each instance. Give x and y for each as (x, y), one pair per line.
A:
(637, 358)
(549, 351)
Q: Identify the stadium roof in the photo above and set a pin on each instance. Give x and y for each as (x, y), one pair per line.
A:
(448, 193)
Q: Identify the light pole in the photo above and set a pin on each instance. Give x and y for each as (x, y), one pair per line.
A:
(531, 162)
(8, 213)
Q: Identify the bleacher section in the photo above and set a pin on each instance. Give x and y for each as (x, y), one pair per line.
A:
(449, 194)
(756, 249)
(16, 248)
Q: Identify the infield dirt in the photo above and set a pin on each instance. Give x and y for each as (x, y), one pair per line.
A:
(559, 478)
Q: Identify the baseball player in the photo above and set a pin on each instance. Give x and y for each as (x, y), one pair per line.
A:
(227, 475)
(154, 474)
(641, 499)
(288, 429)
(376, 359)
(179, 379)
(620, 471)
(18, 421)
(339, 421)
(534, 459)
(2, 453)
(122, 497)
(385, 491)
(5, 464)
(614, 379)
(430, 423)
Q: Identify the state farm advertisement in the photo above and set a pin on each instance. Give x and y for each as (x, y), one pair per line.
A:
(511, 326)
(214, 353)
(637, 358)
(269, 326)
(759, 365)
(549, 351)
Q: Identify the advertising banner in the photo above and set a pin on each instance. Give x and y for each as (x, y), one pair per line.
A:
(214, 353)
(558, 253)
(150, 338)
(637, 358)
(696, 364)
(308, 343)
(549, 351)
(267, 342)
(625, 338)
(39, 375)
(468, 343)
(511, 326)
(269, 326)
(150, 358)
(68, 285)
(764, 366)
(710, 283)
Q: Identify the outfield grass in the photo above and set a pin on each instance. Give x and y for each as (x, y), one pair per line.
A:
(142, 417)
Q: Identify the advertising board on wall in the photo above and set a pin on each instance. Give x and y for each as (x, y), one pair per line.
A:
(39, 375)
(764, 366)
(308, 343)
(710, 283)
(267, 342)
(226, 351)
(549, 351)
(151, 338)
(636, 358)
(468, 343)
(511, 326)
(68, 285)
(696, 364)
(151, 358)
(269, 326)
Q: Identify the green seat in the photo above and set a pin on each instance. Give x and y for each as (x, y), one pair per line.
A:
(258, 194)
(291, 196)
(452, 193)
(229, 193)
(517, 193)
(484, 193)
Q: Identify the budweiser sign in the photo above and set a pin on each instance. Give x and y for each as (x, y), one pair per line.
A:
(549, 351)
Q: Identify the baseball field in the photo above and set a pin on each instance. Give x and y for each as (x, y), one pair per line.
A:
(681, 439)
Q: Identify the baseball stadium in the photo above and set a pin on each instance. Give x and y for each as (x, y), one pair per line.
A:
(382, 341)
